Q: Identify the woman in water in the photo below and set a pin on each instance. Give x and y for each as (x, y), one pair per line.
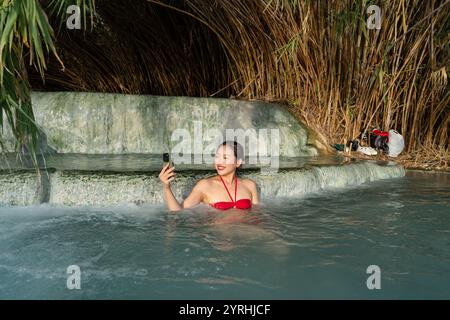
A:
(223, 191)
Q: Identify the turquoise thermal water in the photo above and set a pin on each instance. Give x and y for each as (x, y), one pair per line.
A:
(317, 246)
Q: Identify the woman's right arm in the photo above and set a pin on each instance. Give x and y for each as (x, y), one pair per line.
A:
(166, 176)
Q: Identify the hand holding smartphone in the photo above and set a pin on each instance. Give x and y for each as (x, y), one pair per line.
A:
(167, 173)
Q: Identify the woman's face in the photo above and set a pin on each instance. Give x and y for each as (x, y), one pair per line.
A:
(225, 161)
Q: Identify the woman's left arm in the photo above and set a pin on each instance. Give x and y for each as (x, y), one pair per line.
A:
(254, 192)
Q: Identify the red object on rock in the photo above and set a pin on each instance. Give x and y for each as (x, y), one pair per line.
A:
(381, 134)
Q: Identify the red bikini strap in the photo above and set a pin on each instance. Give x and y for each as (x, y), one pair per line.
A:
(235, 188)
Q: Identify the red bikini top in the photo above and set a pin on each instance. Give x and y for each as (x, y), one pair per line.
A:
(240, 204)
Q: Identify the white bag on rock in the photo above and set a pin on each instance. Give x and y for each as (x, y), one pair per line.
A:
(396, 143)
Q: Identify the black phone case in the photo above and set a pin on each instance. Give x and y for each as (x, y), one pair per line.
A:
(166, 157)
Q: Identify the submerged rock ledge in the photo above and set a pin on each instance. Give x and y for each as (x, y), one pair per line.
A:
(78, 188)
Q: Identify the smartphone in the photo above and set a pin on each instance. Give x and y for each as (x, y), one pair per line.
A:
(166, 159)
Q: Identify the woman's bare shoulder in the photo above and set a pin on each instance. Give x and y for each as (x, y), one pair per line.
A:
(204, 183)
(249, 183)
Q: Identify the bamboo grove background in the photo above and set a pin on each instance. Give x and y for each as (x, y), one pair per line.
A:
(316, 56)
